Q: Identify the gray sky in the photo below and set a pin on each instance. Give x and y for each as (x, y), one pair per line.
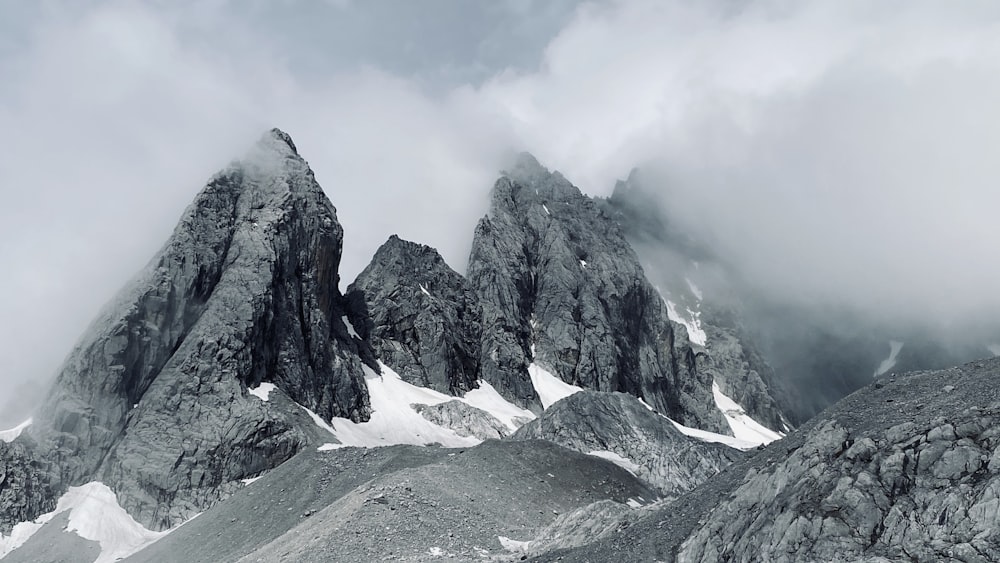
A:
(839, 151)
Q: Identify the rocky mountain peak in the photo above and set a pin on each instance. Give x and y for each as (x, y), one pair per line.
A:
(280, 136)
(564, 292)
(421, 317)
(154, 401)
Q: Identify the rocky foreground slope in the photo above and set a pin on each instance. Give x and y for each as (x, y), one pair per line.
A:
(906, 469)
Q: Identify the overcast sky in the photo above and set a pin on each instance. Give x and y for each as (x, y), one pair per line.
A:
(838, 151)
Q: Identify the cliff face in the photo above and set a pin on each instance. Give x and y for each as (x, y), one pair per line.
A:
(422, 317)
(907, 469)
(153, 400)
(702, 294)
(562, 288)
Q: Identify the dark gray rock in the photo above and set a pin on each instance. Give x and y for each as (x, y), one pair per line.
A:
(590, 421)
(25, 490)
(421, 317)
(899, 471)
(731, 355)
(153, 400)
(561, 286)
(464, 419)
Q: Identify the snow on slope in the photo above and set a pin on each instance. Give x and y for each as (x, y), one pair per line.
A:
(623, 462)
(695, 333)
(744, 428)
(350, 328)
(394, 421)
(887, 364)
(706, 436)
(549, 387)
(94, 515)
(262, 391)
(489, 399)
(13, 433)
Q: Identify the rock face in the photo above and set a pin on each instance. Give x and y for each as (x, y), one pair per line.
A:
(464, 419)
(678, 265)
(591, 421)
(906, 469)
(561, 287)
(24, 487)
(422, 317)
(153, 400)
(924, 489)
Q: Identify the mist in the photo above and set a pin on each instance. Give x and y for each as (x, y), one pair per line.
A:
(838, 154)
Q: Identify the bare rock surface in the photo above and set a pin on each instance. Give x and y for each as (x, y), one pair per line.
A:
(400, 503)
(464, 419)
(25, 491)
(153, 400)
(902, 470)
(561, 287)
(647, 443)
(685, 270)
(422, 317)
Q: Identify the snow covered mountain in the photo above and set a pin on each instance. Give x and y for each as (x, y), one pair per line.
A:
(234, 358)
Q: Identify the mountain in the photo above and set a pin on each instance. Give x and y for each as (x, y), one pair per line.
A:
(903, 470)
(422, 317)
(233, 356)
(696, 288)
(154, 396)
(564, 295)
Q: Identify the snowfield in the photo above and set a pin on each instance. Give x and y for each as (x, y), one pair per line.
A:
(262, 391)
(744, 428)
(394, 421)
(12, 434)
(94, 514)
(549, 387)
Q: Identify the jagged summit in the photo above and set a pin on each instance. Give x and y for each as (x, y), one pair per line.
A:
(545, 185)
(422, 317)
(153, 400)
(564, 296)
(276, 134)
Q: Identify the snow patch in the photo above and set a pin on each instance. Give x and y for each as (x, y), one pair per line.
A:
(583, 263)
(695, 333)
(694, 289)
(487, 398)
(435, 552)
(350, 327)
(94, 514)
(632, 503)
(744, 428)
(12, 434)
(549, 387)
(424, 290)
(393, 420)
(330, 446)
(994, 349)
(251, 480)
(706, 436)
(546, 209)
(623, 462)
(887, 364)
(262, 391)
(514, 545)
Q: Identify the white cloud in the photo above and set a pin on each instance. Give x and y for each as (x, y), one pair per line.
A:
(841, 149)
